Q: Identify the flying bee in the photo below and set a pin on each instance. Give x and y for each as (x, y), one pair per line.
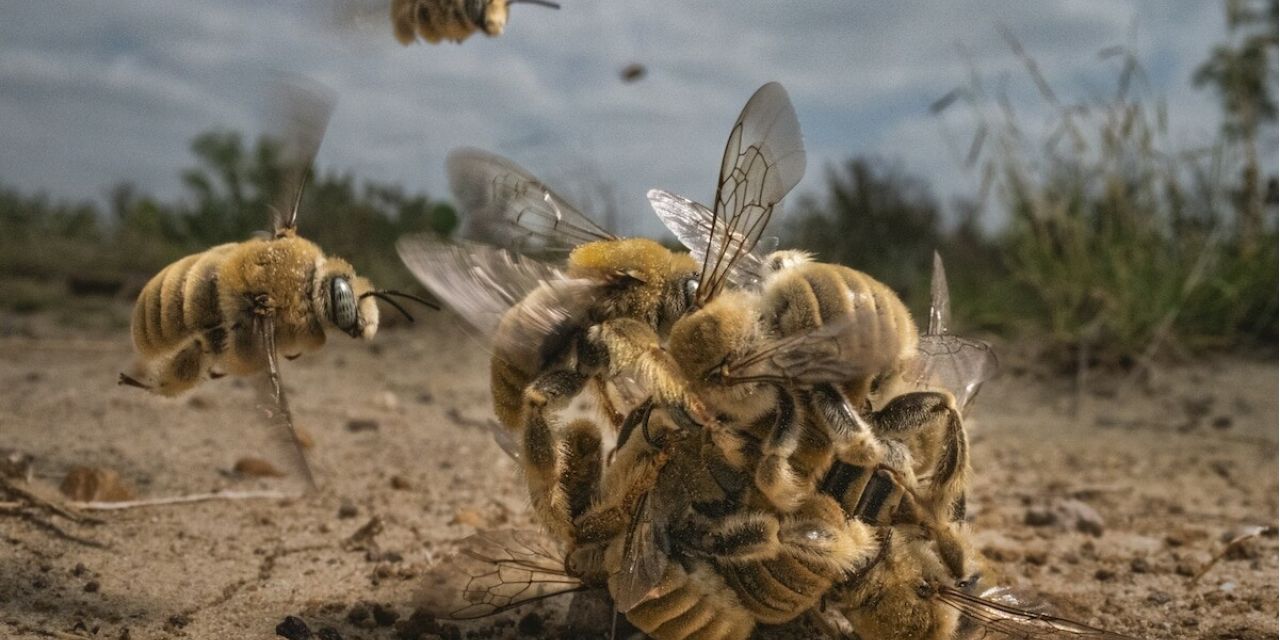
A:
(234, 308)
(453, 20)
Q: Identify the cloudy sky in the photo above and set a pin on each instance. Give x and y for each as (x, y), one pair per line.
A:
(94, 93)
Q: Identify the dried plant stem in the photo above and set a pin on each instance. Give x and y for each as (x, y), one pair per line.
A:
(187, 499)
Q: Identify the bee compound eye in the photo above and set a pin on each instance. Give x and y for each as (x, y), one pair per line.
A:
(924, 590)
(342, 304)
(690, 290)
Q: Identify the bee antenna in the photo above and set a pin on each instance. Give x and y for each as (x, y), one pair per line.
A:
(541, 3)
(385, 296)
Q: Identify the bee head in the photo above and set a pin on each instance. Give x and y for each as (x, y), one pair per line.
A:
(347, 303)
(704, 341)
(493, 16)
(896, 598)
(648, 281)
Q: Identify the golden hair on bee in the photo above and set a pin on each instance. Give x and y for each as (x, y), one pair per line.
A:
(453, 20)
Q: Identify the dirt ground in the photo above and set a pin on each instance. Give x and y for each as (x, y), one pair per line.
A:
(1104, 503)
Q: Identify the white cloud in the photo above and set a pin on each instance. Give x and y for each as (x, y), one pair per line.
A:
(102, 92)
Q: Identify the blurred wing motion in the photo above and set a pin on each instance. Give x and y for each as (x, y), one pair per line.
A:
(830, 353)
(996, 618)
(485, 284)
(644, 560)
(505, 205)
(274, 404)
(693, 224)
(763, 159)
(959, 365)
(306, 110)
(495, 571)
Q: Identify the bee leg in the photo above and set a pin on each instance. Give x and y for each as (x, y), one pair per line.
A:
(739, 537)
(821, 536)
(930, 427)
(632, 475)
(127, 380)
(624, 345)
(544, 449)
(775, 475)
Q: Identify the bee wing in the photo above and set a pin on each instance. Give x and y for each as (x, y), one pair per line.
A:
(959, 365)
(1000, 618)
(495, 571)
(763, 159)
(274, 404)
(693, 224)
(644, 560)
(307, 107)
(507, 206)
(939, 299)
(831, 353)
(482, 284)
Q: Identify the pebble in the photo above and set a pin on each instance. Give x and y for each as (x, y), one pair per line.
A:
(347, 510)
(358, 425)
(399, 482)
(1104, 574)
(257, 468)
(293, 628)
(1040, 518)
(531, 624)
(92, 586)
(328, 633)
(1222, 422)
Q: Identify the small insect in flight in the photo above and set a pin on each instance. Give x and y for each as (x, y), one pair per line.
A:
(235, 308)
(453, 20)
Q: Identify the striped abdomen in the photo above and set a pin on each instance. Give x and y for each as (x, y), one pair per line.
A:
(179, 303)
(814, 294)
(693, 604)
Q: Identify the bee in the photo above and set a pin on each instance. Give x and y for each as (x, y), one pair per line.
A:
(905, 593)
(234, 308)
(453, 20)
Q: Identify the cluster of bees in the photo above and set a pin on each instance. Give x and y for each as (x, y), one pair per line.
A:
(773, 437)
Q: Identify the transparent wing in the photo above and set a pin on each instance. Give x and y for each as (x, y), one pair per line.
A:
(495, 571)
(644, 560)
(274, 404)
(506, 206)
(483, 284)
(939, 299)
(306, 107)
(763, 159)
(945, 361)
(998, 617)
(505, 440)
(692, 225)
(834, 352)
(959, 365)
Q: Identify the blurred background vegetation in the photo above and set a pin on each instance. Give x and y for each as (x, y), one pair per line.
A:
(1116, 247)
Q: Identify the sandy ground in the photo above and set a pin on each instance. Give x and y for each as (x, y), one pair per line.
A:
(1104, 504)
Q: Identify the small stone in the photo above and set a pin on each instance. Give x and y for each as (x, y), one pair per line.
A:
(305, 440)
(257, 468)
(1104, 574)
(469, 517)
(361, 616)
(1221, 422)
(347, 510)
(199, 402)
(87, 484)
(178, 620)
(293, 628)
(92, 586)
(384, 616)
(1159, 597)
(79, 570)
(1086, 518)
(1139, 565)
(328, 633)
(425, 397)
(531, 624)
(1037, 558)
(1184, 569)
(1040, 518)
(356, 426)
(40, 582)
(400, 483)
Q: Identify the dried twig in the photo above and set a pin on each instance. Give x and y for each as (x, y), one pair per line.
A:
(28, 497)
(198, 497)
(1249, 534)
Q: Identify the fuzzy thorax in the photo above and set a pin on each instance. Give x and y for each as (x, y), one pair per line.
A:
(645, 266)
(704, 340)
